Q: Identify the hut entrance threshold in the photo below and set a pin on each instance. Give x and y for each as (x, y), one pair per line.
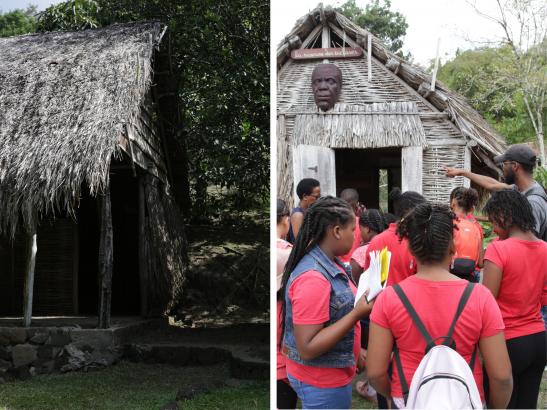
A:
(372, 172)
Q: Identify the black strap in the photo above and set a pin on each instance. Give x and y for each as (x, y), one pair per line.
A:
(402, 378)
(425, 334)
(415, 318)
(463, 301)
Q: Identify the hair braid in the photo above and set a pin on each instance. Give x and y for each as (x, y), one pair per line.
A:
(509, 208)
(374, 220)
(429, 229)
(324, 213)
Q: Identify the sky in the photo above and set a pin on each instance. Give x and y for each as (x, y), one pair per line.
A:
(7, 5)
(454, 21)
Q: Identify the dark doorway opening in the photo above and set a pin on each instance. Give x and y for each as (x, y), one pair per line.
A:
(125, 273)
(372, 172)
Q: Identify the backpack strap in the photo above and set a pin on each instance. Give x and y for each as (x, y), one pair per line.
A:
(415, 318)
(425, 334)
(421, 328)
(461, 305)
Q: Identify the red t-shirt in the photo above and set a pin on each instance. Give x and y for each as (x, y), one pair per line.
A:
(436, 303)
(310, 299)
(356, 242)
(402, 263)
(524, 273)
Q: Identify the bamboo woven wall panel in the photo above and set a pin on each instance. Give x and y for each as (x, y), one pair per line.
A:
(364, 129)
(436, 186)
(54, 277)
(295, 94)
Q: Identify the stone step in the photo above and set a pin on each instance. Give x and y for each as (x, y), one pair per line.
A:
(246, 362)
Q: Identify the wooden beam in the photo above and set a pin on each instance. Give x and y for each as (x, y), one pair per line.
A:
(106, 258)
(467, 165)
(29, 279)
(143, 262)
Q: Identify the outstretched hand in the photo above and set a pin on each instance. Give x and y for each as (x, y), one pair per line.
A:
(451, 172)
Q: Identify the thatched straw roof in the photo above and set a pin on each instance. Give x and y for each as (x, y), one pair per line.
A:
(466, 119)
(65, 100)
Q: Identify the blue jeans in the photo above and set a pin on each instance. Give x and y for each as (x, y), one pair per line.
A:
(544, 315)
(321, 397)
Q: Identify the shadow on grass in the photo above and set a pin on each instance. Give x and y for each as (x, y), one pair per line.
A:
(133, 386)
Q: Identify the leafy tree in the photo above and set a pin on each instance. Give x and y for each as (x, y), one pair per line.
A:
(484, 78)
(69, 16)
(18, 22)
(524, 27)
(389, 26)
(220, 51)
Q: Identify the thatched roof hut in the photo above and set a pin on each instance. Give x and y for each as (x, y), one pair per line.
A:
(86, 116)
(387, 118)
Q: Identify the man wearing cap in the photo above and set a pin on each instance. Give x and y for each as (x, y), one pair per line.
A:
(518, 165)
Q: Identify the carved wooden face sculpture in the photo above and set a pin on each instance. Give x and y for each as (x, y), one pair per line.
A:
(326, 83)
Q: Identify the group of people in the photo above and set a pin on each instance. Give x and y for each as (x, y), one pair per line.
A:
(324, 245)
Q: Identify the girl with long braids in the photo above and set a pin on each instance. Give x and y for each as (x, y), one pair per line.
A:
(469, 235)
(321, 332)
(402, 263)
(515, 270)
(435, 294)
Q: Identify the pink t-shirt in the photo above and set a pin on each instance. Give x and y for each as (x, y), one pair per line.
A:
(359, 255)
(356, 242)
(283, 251)
(523, 283)
(435, 304)
(402, 263)
(310, 299)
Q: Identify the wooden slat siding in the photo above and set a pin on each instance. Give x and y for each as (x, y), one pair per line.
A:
(140, 138)
(436, 186)
(412, 169)
(295, 94)
(54, 277)
(146, 163)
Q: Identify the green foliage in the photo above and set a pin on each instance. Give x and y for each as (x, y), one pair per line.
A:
(220, 51)
(18, 22)
(485, 77)
(389, 26)
(540, 175)
(69, 16)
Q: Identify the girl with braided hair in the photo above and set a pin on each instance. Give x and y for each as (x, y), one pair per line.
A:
(372, 222)
(321, 332)
(515, 270)
(402, 263)
(468, 236)
(435, 294)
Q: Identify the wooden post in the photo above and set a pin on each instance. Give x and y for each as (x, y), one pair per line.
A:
(29, 279)
(143, 260)
(75, 269)
(105, 261)
(466, 165)
(369, 56)
(325, 39)
(434, 75)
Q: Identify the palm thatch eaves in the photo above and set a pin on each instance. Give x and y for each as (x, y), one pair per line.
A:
(66, 98)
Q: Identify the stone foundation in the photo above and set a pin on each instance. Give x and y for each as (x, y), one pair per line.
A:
(25, 352)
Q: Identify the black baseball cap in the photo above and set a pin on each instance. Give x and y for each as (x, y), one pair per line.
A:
(521, 153)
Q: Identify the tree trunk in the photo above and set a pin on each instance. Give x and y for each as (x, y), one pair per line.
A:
(105, 261)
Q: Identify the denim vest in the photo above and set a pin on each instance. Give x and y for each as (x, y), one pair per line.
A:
(341, 303)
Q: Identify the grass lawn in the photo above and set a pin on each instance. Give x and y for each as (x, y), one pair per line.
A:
(132, 386)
